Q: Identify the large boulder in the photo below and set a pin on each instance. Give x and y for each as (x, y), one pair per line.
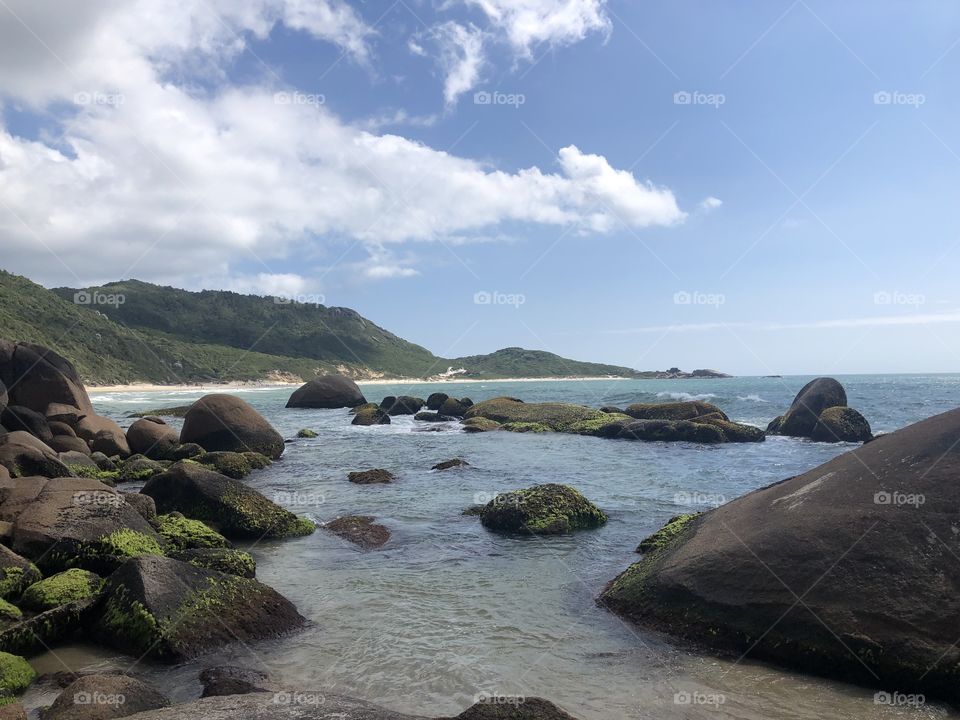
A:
(236, 510)
(16, 573)
(18, 417)
(171, 610)
(24, 455)
(60, 589)
(103, 435)
(841, 424)
(813, 398)
(225, 422)
(152, 437)
(327, 391)
(69, 445)
(403, 405)
(371, 415)
(682, 410)
(76, 522)
(541, 510)
(455, 408)
(39, 633)
(848, 570)
(36, 376)
(551, 416)
(104, 697)
(435, 400)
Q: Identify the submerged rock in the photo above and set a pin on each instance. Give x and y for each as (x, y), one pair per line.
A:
(360, 530)
(447, 464)
(371, 477)
(865, 541)
(541, 510)
(234, 680)
(307, 433)
(555, 416)
(683, 410)
(480, 424)
(373, 415)
(327, 391)
(225, 422)
(170, 610)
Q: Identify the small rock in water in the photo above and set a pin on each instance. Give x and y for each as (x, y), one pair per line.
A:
(371, 477)
(447, 464)
(359, 529)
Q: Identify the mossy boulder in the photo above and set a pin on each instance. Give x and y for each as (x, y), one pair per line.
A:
(15, 676)
(307, 433)
(541, 510)
(182, 533)
(170, 610)
(665, 535)
(526, 427)
(224, 559)
(73, 522)
(327, 391)
(374, 415)
(226, 422)
(231, 464)
(41, 632)
(16, 573)
(371, 477)
(139, 469)
(187, 451)
(9, 613)
(60, 589)
(841, 424)
(361, 530)
(732, 431)
(681, 410)
(237, 511)
(257, 461)
(605, 425)
(480, 424)
(555, 416)
(866, 541)
(130, 696)
(672, 431)
(813, 398)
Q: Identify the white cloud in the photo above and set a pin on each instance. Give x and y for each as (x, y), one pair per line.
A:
(710, 203)
(528, 23)
(173, 185)
(461, 58)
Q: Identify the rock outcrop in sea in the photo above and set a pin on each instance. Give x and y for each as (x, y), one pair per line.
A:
(849, 570)
(820, 412)
(327, 391)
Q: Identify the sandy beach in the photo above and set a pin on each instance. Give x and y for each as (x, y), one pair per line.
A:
(220, 387)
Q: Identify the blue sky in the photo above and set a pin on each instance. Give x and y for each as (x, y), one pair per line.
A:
(760, 187)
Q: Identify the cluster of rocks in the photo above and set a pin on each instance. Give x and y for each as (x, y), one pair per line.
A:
(676, 373)
(153, 573)
(848, 570)
(820, 412)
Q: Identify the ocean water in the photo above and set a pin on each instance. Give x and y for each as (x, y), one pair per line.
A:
(447, 611)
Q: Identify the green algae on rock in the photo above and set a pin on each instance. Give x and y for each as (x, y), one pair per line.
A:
(555, 416)
(541, 510)
(60, 589)
(16, 573)
(662, 537)
(9, 612)
(15, 676)
(182, 533)
(841, 424)
(480, 424)
(231, 464)
(307, 433)
(171, 610)
(226, 560)
(41, 632)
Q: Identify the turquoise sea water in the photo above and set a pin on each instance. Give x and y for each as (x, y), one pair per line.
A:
(447, 611)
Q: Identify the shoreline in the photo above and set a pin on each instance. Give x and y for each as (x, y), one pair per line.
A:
(247, 385)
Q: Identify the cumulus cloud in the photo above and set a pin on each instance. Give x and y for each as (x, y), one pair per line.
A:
(147, 176)
(529, 23)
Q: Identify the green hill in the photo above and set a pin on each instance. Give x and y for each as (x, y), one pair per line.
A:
(166, 335)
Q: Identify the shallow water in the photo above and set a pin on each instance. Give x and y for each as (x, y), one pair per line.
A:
(447, 611)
